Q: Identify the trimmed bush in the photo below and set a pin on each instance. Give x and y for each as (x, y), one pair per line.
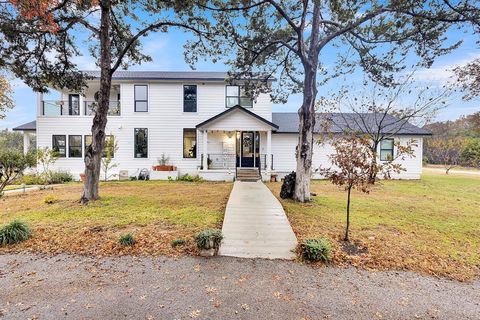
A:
(178, 242)
(49, 199)
(126, 240)
(14, 232)
(209, 239)
(189, 178)
(316, 249)
(30, 179)
(57, 177)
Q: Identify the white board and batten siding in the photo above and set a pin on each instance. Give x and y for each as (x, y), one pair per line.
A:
(165, 121)
(284, 145)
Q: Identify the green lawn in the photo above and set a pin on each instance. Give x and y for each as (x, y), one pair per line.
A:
(155, 211)
(431, 225)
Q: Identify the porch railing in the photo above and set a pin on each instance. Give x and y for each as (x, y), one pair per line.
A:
(113, 108)
(222, 161)
(60, 108)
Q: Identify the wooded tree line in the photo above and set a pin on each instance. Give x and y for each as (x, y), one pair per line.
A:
(454, 142)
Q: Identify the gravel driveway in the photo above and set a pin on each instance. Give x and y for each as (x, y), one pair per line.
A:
(63, 286)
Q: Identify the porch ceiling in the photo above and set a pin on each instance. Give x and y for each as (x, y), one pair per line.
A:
(237, 118)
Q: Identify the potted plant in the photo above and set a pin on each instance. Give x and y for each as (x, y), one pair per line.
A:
(163, 164)
(208, 241)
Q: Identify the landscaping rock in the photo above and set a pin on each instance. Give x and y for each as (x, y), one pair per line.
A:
(207, 253)
(288, 186)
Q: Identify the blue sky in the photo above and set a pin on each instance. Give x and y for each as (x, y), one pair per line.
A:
(167, 53)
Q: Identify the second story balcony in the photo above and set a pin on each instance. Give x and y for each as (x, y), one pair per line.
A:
(75, 108)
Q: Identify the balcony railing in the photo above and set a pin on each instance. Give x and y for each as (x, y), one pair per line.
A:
(113, 108)
(65, 108)
(60, 108)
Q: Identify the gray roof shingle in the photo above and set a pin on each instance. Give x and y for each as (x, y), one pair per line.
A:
(30, 126)
(288, 122)
(166, 75)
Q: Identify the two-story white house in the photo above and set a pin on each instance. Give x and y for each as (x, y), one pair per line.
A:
(204, 125)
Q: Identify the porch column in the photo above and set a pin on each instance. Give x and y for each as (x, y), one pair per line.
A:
(26, 142)
(39, 103)
(269, 151)
(205, 150)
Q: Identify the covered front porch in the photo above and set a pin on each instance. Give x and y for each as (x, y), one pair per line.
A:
(233, 142)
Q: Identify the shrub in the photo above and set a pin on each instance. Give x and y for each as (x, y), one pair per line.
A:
(178, 242)
(15, 231)
(57, 177)
(127, 240)
(316, 249)
(209, 239)
(189, 178)
(49, 199)
(30, 179)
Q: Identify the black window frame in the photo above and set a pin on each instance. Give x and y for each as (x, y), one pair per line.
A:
(104, 154)
(135, 100)
(239, 97)
(135, 143)
(70, 106)
(185, 100)
(60, 155)
(392, 149)
(196, 143)
(70, 146)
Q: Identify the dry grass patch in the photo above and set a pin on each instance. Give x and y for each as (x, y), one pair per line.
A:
(156, 212)
(431, 226)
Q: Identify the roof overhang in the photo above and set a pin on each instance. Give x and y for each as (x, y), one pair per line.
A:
(27, 127)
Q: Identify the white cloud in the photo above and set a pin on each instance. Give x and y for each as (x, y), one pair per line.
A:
(444, 73)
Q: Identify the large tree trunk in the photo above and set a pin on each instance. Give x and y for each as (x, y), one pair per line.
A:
(93, 156)
(305, 140)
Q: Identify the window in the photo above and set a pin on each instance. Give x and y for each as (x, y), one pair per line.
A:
(141, 98)
(189, 98)
(74, 104)
(386, 150)
(88, 142)
(189, 143)
(59, 145)
(236, 95)
(141, 143)
(74, 146)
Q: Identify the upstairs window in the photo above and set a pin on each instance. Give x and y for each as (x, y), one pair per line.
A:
(74, 104)
(141, 98)
(190, 98)
(189, 143)
(141, 143)
(75, 146)
(59, 145)
(236, 95)
(386, 150)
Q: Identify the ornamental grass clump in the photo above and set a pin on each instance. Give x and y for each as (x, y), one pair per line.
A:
(14, 232)
(49, 199)
(316, 249)
(208, 241)
(127, 240)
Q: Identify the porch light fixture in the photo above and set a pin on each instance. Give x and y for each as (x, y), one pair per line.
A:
(229, 134)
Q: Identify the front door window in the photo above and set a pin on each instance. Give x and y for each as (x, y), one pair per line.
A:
(248, 146)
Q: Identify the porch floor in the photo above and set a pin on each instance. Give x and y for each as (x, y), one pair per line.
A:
(255, 225)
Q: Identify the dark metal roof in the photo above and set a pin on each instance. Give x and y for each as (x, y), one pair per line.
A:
(237, 107)
(30, 126)
(288, 122)
(169, 75)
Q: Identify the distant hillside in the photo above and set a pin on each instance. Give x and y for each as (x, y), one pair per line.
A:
(466, 126)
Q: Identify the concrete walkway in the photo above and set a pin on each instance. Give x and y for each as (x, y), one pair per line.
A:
(255, 225)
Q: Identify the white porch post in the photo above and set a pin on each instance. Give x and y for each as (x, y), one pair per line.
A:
(39, 103)
(269, 151)
(205, 150)
(26, 142)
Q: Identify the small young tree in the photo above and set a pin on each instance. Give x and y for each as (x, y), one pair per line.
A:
(12, 165)
(351, 165)
(446, 151)
(45, 158)
(111, 148)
